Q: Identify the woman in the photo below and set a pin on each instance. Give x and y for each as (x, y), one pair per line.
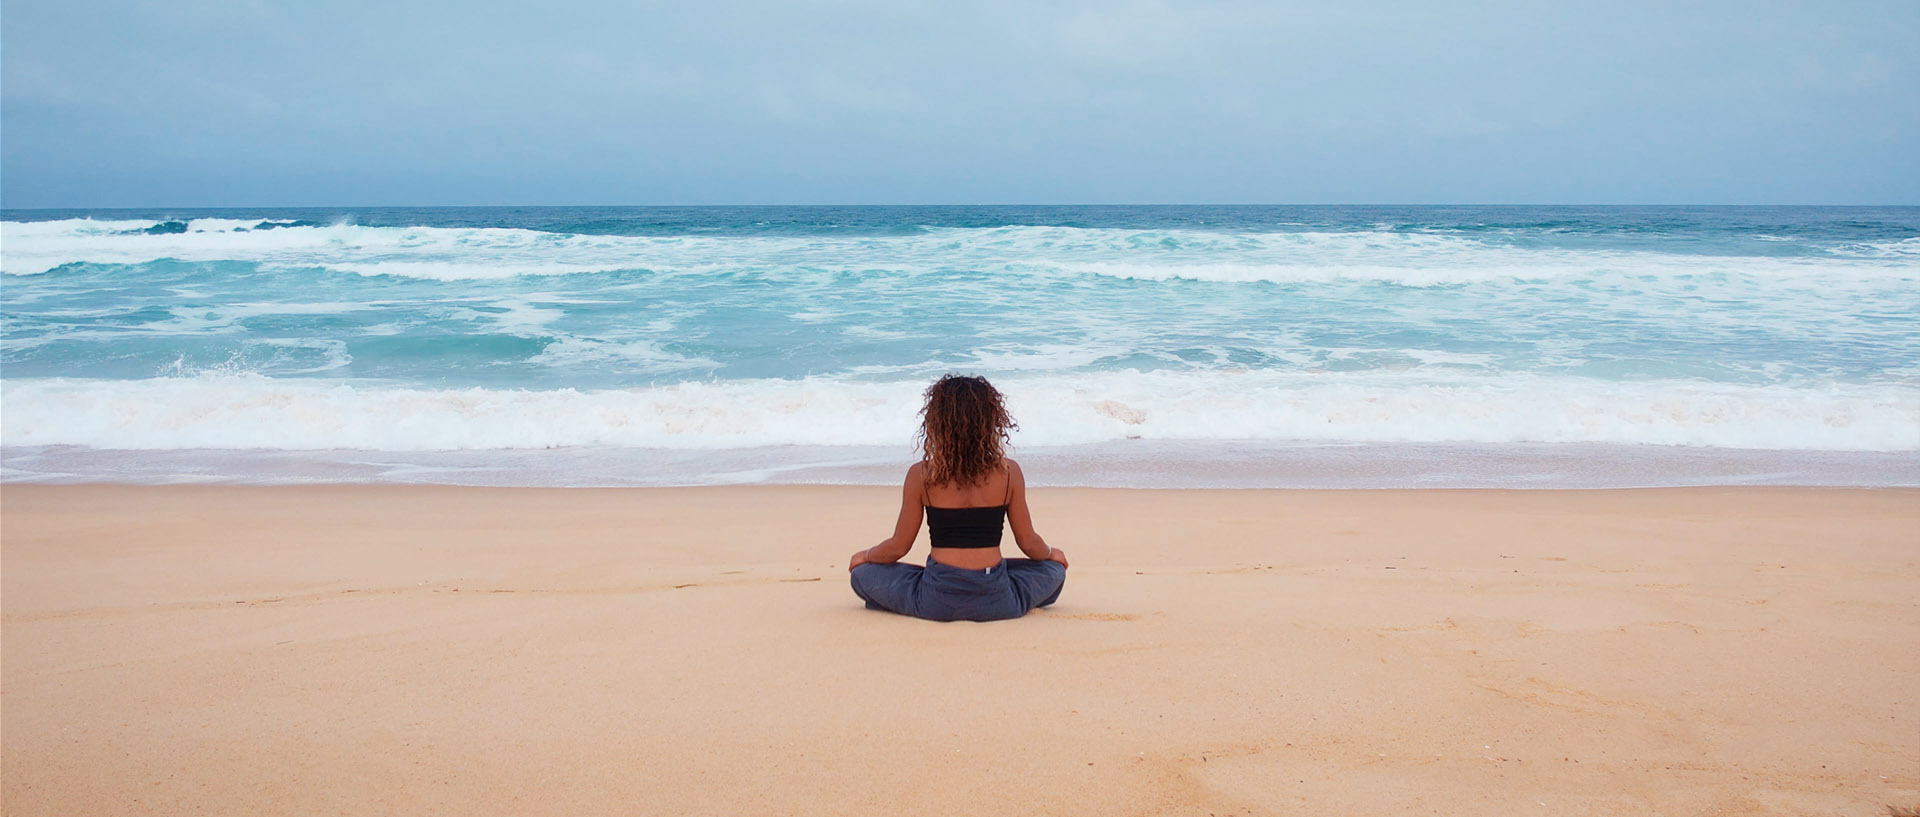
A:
(968, 489)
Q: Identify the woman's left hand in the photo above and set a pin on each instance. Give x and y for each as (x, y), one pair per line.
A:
(859, 559)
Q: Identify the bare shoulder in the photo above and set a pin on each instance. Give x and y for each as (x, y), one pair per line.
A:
(1013, 468)
(917, 472)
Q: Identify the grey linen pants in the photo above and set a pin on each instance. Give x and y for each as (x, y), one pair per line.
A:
(945, 593)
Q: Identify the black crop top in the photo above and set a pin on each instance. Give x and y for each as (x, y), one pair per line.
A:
(967, 527)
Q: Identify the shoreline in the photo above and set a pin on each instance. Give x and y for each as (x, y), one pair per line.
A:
(1172, 464)
(296, 650)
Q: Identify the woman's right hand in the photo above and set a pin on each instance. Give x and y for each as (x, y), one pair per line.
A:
(1058, 555)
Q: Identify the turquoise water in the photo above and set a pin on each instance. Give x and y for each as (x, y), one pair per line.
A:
(450, 329)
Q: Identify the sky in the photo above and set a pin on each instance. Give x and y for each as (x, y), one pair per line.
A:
(199, 103)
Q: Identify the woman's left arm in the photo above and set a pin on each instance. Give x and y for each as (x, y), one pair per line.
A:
(905, 529)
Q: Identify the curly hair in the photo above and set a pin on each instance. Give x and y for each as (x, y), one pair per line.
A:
(963, 430)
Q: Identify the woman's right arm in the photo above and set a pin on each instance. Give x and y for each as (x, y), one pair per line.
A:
(1021, 519)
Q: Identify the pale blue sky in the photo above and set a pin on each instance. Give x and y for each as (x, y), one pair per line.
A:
(367, 103)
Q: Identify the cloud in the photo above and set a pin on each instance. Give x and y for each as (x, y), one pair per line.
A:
(1133, 100)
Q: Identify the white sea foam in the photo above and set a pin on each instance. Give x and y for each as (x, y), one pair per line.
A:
(633, 355)
(253, 412)
(1906, 248)
(454, 254)
(461, 270)
(258, 308)
(1430, 274)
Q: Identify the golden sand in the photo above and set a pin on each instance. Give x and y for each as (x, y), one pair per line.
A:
(426, 650)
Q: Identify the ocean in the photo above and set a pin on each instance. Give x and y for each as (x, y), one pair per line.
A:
(1166, 346)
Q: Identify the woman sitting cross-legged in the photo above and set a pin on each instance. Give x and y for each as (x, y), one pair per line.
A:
(968, 489)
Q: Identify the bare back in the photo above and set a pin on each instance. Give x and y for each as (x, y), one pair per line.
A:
(991, 492)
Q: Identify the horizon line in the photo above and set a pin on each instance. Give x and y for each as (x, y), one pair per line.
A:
(930, 205)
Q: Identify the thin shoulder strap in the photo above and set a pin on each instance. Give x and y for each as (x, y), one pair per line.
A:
(1009, 483)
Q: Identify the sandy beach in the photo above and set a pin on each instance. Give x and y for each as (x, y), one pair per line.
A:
(464, 651)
